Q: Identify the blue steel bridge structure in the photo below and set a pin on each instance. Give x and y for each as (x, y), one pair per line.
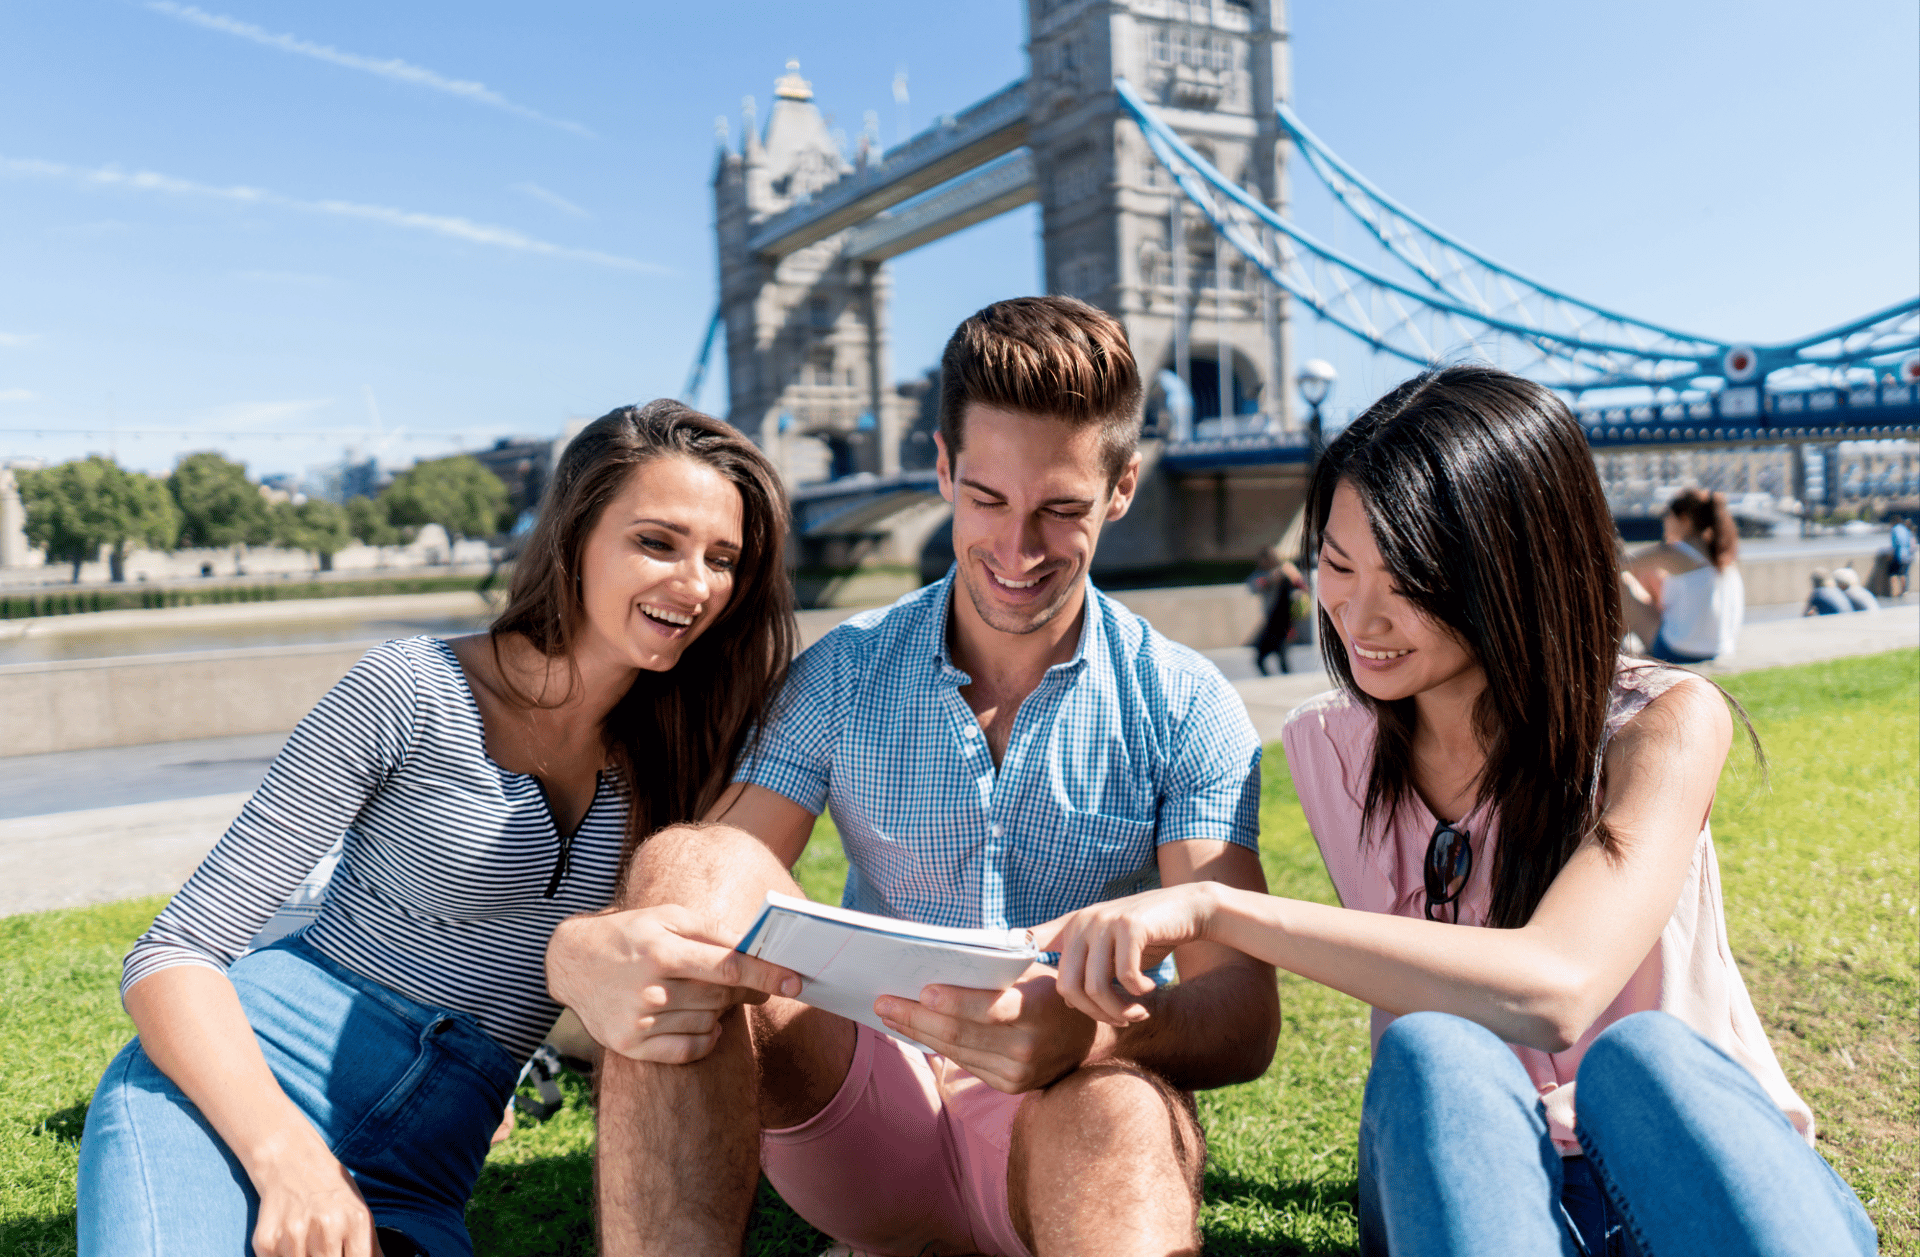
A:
(1158, 140)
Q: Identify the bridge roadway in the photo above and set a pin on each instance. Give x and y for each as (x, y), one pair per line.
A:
(95, 826)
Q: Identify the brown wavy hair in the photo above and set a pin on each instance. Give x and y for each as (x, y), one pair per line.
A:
(688, 726)
(1055, 357)
(1488, 511)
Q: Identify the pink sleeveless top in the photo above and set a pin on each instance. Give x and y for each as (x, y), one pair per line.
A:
(1689, 973)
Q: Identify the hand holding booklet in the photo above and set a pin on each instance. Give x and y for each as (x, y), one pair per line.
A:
(848, 959)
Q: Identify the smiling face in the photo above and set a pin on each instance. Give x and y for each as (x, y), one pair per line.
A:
(659, 565)
(1394, 649)
(1029, 499)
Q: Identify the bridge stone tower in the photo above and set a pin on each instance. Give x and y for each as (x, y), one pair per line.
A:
(1117, 233)
(804, 234)
(807, 365)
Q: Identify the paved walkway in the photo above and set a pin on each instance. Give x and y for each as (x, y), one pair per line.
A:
(94, 826)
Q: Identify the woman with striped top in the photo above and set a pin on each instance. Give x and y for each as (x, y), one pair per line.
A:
(333, 1093)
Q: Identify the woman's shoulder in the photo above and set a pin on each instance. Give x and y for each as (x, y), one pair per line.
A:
(1637, 683)
(423, 672)
(1329, 731)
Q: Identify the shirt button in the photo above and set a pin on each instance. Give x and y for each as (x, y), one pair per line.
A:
(996, 831)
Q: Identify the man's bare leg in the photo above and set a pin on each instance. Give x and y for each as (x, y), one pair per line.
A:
(1106, 1161)
(679, 1145)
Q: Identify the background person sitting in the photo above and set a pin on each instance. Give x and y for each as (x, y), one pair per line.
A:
(1825, 599)
(1899, 558)
(1685, 597)
(1847, 581)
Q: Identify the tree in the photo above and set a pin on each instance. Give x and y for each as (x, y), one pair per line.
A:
(318, 526)
(74, 509)
(367, 520)
(457, 493)
(219, 506)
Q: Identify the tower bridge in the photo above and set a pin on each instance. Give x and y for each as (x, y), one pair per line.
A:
(1156, 137)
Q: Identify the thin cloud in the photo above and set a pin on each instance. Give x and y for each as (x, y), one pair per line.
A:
(17, 395)
(16, 340)
(444, 225)
(392, 68)
(552, 199)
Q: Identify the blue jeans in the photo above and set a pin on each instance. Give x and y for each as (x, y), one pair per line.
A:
(1687, 1153)
(406, 1096)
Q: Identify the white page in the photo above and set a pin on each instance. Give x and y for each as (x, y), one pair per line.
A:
(849, 959)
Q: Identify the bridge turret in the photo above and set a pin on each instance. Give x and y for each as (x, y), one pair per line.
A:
(808, 369)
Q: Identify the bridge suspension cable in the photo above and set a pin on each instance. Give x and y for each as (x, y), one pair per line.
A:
(1460, 297)
(698, 375)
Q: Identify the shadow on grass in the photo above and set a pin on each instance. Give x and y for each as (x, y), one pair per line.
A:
(65, 1125)
(1255, 1217)
(544, 1207)
(51, 1235)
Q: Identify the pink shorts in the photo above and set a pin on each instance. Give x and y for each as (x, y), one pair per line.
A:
(911, 1151)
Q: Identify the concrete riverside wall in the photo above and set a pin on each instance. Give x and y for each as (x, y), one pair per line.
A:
(82, 704)
(73, 705)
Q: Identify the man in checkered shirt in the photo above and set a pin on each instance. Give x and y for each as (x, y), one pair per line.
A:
(997, 749)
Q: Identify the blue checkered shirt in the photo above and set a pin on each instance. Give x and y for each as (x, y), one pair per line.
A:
(1133, 742)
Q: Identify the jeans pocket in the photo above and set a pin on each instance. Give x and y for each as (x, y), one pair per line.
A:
(428, 1135)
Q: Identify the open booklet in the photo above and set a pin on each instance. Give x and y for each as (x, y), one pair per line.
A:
(849, 959)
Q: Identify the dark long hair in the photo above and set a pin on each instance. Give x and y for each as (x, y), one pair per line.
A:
(1483, 498)
(688, 726)
(1706, 513)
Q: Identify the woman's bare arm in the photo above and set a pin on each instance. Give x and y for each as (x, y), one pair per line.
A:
(193, 1028)
(1541, 985)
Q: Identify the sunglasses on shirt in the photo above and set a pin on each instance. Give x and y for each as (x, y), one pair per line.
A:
(1449, 861)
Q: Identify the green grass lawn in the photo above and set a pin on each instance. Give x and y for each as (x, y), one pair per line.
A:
(1819, 874)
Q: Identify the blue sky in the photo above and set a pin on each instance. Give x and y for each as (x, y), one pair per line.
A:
(277, 228)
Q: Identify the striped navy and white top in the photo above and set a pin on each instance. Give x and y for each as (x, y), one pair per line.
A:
(453, 874)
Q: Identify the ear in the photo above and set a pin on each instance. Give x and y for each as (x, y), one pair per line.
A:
(1124, 489)
(943, 467)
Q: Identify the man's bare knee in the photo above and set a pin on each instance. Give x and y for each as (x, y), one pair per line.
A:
(1120, 1106)
(696, 864)
(1106, 1131)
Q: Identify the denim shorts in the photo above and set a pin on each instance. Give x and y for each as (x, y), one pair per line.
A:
(406, 1095)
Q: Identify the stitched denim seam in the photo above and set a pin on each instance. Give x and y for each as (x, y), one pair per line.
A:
(1627, 1218)
(396, 1098)
(151, 1214)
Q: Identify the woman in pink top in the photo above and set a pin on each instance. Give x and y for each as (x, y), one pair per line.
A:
(1515, 820)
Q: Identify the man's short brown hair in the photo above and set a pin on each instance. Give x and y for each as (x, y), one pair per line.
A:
(1050, 357)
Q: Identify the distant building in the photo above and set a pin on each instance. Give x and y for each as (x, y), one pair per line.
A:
(14, 550)
(363, 480)
(523, 464)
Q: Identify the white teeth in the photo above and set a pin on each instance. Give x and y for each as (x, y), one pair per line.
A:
(671, 617)
(1364, 653)
(1016, 584)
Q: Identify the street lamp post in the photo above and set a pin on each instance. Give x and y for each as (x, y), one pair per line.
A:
(1316, 381)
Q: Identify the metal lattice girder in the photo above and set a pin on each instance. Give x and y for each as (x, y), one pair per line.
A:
(1463, 299)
